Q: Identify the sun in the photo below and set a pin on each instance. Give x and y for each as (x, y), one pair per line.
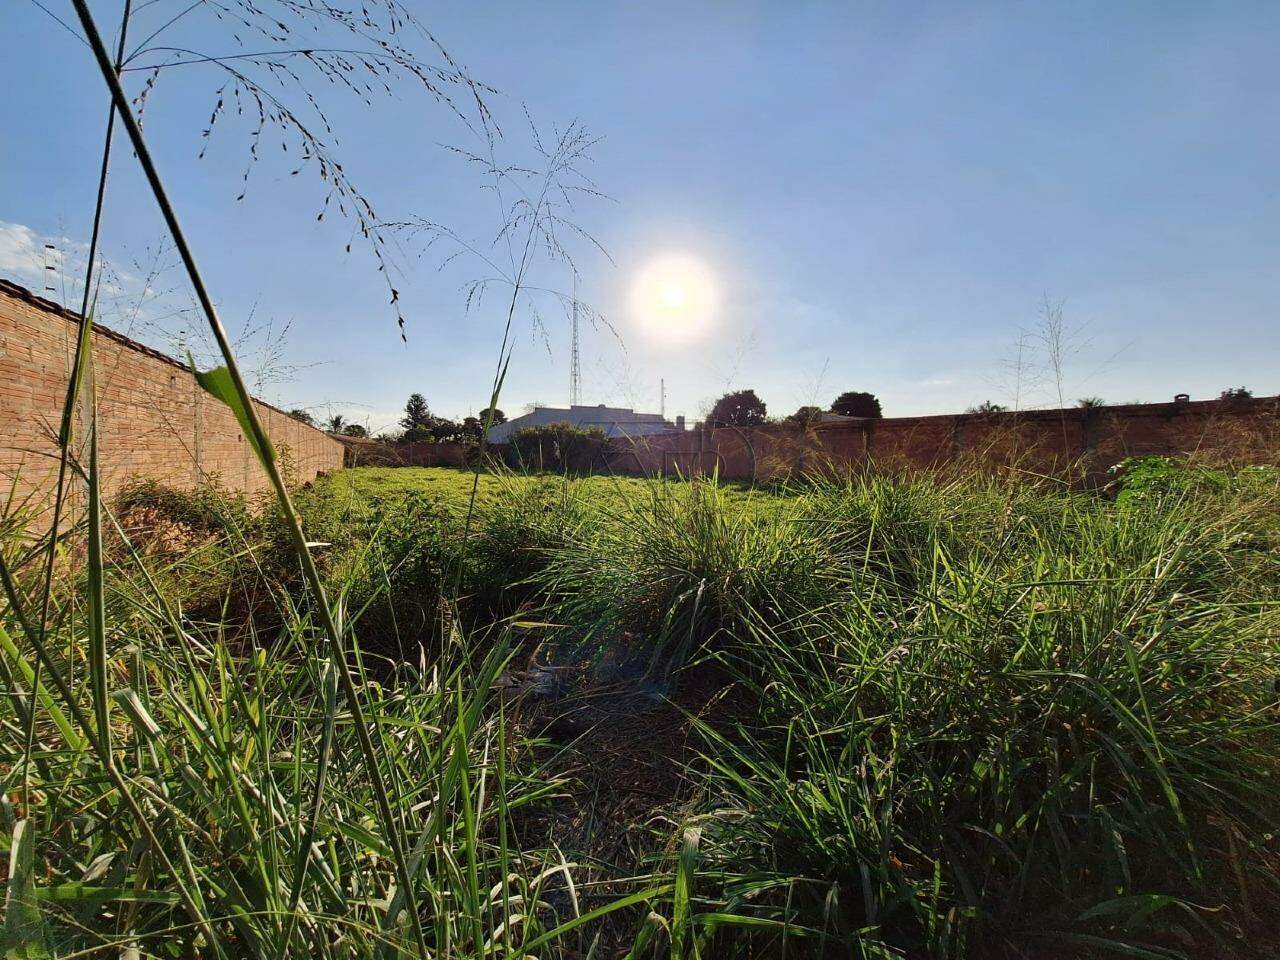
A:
(674, 298)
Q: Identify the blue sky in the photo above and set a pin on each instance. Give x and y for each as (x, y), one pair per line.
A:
(886, 194)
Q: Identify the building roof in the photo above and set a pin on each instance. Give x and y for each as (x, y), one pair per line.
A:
(614, 421)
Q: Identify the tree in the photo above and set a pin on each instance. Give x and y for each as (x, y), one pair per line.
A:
(987, 406)
(741, 408)
(853, 403)
(417, 415)
(303, 417)
(1090, 403)
(472, 427)
(354, 430)
(443, 429)
(422, 426)
(335, 423)
(416, 435)
(806, 416)
(498, 416)
(1236, 393)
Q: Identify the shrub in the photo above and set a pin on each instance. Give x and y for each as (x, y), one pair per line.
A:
(1140, 478)
(555, 448)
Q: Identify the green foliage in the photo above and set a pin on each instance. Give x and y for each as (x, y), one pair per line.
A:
(206, 510)
(417, 415)
(23, 931)
(471, 429)
(681, 565)
(422, 426)
(252, 823)
(805, 416)
(1236, 393)
(1039, 721)
(740, 408)
(968, 716)
(1141, 478)
(853, 403)
(555, 448)
(987, 406)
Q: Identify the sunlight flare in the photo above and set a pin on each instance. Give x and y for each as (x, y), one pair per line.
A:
(674, 298)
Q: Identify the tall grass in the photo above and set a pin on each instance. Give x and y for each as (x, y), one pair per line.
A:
(221, 739)
(1036, 723)
(971, 718)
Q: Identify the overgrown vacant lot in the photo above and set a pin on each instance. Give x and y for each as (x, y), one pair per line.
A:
(925, 717)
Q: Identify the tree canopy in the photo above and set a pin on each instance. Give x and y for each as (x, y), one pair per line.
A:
(741, 408)
(987, 406)
(855, 403)
(417, 415)
(806, 416)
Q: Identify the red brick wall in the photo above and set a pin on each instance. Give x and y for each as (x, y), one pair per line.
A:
(1038, 440)
(154, 420)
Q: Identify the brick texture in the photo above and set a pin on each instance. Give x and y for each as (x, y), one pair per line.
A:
(154, 420)
(1048, 441)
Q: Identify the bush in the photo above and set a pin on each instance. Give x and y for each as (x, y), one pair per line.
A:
(555, 448)
(152, 512)
(1141, 478)
(215, 550)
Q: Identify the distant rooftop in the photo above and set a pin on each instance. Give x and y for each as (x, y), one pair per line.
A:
(614, 421)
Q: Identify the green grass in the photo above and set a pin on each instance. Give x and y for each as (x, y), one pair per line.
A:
(452, 487)
(972, 718)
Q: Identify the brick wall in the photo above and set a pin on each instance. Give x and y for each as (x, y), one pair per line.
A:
(1039, 440)
(153, 418)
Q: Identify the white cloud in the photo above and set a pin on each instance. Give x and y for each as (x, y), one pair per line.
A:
(54, 266)
(23, 257)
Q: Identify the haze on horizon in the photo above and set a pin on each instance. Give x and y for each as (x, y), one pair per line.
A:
(800, 200)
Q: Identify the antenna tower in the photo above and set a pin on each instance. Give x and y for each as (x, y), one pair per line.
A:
(575, 361)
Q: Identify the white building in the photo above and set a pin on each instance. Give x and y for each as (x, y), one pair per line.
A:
(614, 421)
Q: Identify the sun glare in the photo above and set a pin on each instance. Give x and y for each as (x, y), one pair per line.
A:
(674, 298)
